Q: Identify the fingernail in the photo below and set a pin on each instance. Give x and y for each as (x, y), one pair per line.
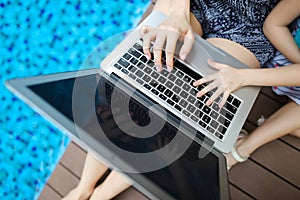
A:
(169, 68)
(148, 57)
(195, 83)
(183, 56)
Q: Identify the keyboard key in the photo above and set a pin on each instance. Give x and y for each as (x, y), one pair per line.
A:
(117, 66)
(170, 102)
(162, 79)
(179, 82)
(153, 83)
(143, 59)
(168, 93)
(206, 119)
(214, 114)
(139, 81)
(219, 135)
(191, 108)
(147, 70)
(175, 98)
(139, 73)
(178, 107)
(150, 63)
(140, 65)
(222, 129)
(206, 109)
(163, 97)
(199, 104)
(199, 114)
(124, 71)
(171, 77)
(230, 98)
(134, 61)
(191, 99)
(132, 68)
(214, 124)
(148, 87)
(215, 107)
(203, 124)
(154, 91)
(210, 129)
(146, 78)
(154, 75)
(123, 62)
(184, 94)
(227, 114)
(186, 87)
(126, 56)
(236, 103)
(186, 113)
(134, 52)
(132, 76)
(194, 118)
(176, 89)
(169, 84)
(179, 74)
(138, 47)
(231, 108)
(193, 91)
(164, 72)
(161, 88)
(183, 103)
(187, 78)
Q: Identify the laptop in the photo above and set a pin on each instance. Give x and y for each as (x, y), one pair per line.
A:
(194, 159)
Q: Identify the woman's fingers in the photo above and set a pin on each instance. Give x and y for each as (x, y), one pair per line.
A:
(188, 41)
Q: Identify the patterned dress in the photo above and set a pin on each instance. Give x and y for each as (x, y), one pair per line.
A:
(240, 21)
(280, 60)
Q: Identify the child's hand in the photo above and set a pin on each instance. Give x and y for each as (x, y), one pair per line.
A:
(225, 81)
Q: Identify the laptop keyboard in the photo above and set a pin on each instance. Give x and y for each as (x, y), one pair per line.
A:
(176, 88)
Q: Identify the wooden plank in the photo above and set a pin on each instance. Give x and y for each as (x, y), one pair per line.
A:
(74, 158)
(49, 194)
(237, 194)
(63, 180)
(280, 158)
(263, 106)
(260, 183)
(130, 194)
(292, 140)
(269, 92)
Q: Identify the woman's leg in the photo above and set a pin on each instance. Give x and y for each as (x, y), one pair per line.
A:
(113, 185)
(285, 121)
(93, 170)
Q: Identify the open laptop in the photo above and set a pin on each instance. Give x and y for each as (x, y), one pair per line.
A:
(58, 106)
(175, 92)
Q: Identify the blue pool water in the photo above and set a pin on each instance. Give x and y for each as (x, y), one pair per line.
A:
(42, 37)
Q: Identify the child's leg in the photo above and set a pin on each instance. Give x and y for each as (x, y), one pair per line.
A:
(285, 121)
(113, 185)
(93, 170)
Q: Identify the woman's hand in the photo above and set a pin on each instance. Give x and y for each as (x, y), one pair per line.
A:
(176, 27)
(225, 81)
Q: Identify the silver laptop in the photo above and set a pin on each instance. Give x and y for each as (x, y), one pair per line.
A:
(204, 131)
(175, 92)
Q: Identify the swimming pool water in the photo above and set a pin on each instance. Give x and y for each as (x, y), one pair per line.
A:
(42, 37)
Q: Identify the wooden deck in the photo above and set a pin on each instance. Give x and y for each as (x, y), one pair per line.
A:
(272, 172)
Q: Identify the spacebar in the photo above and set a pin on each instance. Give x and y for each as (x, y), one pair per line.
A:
(187, 70)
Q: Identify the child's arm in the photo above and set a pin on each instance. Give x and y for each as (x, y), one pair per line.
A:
(276, 30)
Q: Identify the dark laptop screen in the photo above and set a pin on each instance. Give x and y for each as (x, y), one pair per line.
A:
(189, 177)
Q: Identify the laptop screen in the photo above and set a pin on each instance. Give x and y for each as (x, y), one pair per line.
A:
(188, 177)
